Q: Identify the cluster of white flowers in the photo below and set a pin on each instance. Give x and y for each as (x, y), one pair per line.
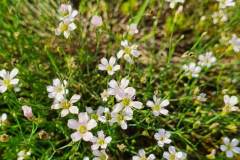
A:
(173, 3)
(8, 80)
(193, 70)
(220, 16)
(67, 16)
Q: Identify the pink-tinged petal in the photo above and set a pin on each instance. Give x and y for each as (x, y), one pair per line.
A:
(156, 113)
(150, 103)
(104, 61)
(14, 81)
(83, 117)
(13, 73)
(100, 133)
(113, 84)
(120, 54)
(130, 92)
(135, 53)
(226, 140)
(56, 106)
(171, 149)
(76, 136)
(75, 98)
(118, 107)
(141, 152)
(124, 125)
(151, 157)
(166, 155)
(89, 110)
(234, 142)
(50, 88)
(74, 110)
(137, 105)
(164, 103)
(236, 150)
(223, 148)
(91, 124)
(73, 124)
(112, 61)
(3, 89)
(124, 43)
(95, 146)
(64, 112)
(56, 82)
(229, 154)
(87, 136)
(3, 73)
(164, 111)
(124, 83)
(108, 139)
(74, 13)
(226, 99)
(102, 67)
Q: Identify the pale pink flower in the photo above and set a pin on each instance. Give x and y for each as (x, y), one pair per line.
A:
(66, 12)
(57, 90)
(172, 154)
(142, 156)
(162, 137)
(110, 66)
(128, 51)
(96, 21)
(158, 106)
(8, 79)
(27, 112)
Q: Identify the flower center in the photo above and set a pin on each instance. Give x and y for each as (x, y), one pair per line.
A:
(172, 157)
(120, 117)
(156, 107)
(65, 104)
(7, 82)
(127, 50)
(126, 102)
(143, 158)
(94, 116)
(64, 27)
(82, 129)
(101, 141)
(59, 89)
(109, 68)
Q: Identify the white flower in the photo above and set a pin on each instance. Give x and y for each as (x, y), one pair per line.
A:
(163, 137)
(226, 3)
(142, 156)
(118, 89)
(192, 70)
(82, 127)
(207, 59)
(230, 147)
(202, 97)
(127, 101)
(8, 79)
(3, 119)
(173, 155)
(121, 118)
(174, 2)
(23, 154)
(85, 158)
(100, 155)
(96, 21)
(101, 141)
(158, 106)
(65, 27)
(110, 66)
(219, 16)
(66, 12)
(230, 103)
(235, 42)
(57, 90)
(128, 51)
(99, 114)
(67, 106)
(27, 111)
(132, 29)
(105, 95)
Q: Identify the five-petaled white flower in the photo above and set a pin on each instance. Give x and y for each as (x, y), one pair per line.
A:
(230, 147)
(235, 42)
(207, 59)
(110, 66)
(82, 127)
(8, 80)
(100, 155)
(172, 154)
(121, 118)
(99, 114)
(226, 3)
(173, 3)
(57, 91)
(66, 12)
(142, 156)
(66, 105)
(3, 119)
(162, 137)
(23, 154)
(65, 27)
(101, 141)
(158, 106)
(128, 51)
(118, 89)
(132, 29)
(192, 70)
(230, 103)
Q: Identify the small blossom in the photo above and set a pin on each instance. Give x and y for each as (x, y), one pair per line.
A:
(173, 3)
(128, 51)
(219, 16)
(142, 156)
(66, 12)
(8, 79)
(96, 21)
(23, 154)
(101, 141)
(99, 114)
(230, 147)
(27, 112)
(158, 106)
(192, 70)
(230, 103)
(207, 59)
(162, 137)
(105, 95)
(118, 89)
(110, 66)
(82, 127)
(226, 3)
(202, 97)
(100, 155)
(57, 90)
(121, 118)
(3, 119)
(235, 42)
(172, 154)
(65, 27)
(132, 29)
(67, 106)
